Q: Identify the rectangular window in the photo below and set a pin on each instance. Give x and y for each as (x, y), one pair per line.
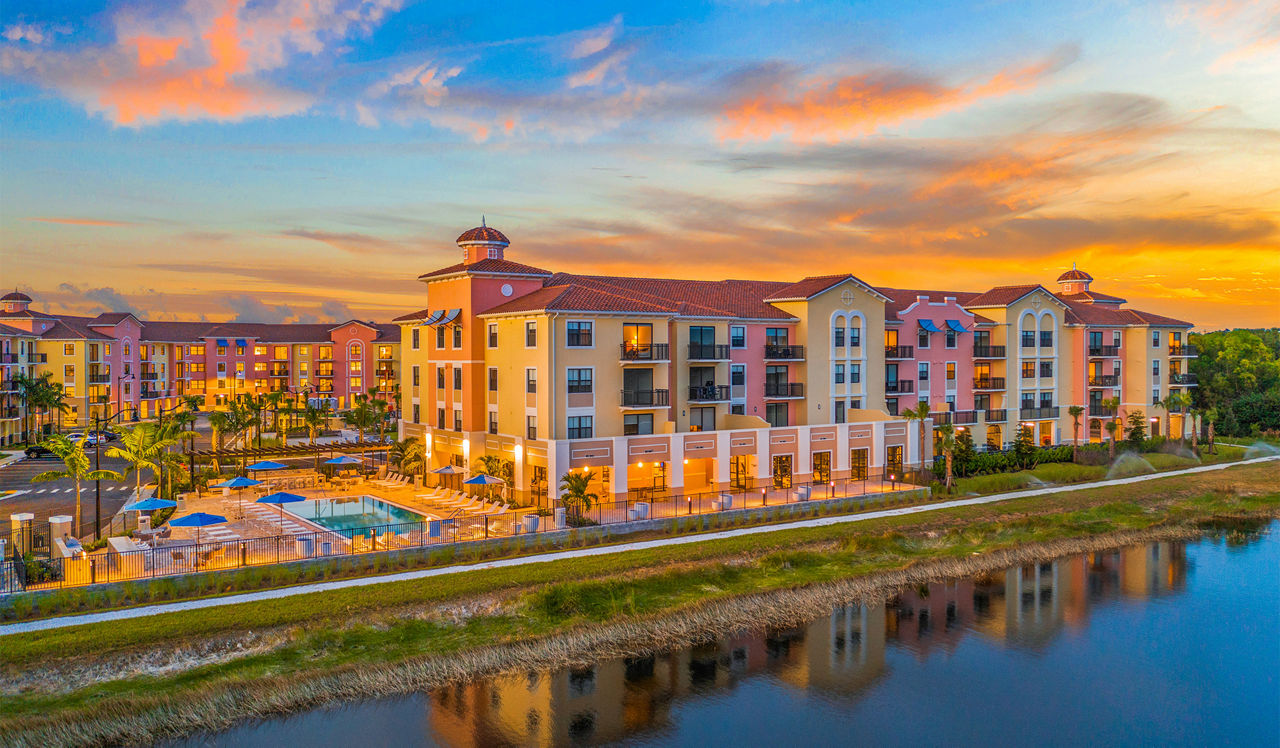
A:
(951, 338)
(259, 350)
(1028, 400)
(951, 373)
(579, 427)
(1155, 338)
(855, 337)
(440, 418)
(1028, 338)
(922, 372)
(858, 463)
(457, 378)
(357, 385)
(637, 424)
(737, 375)
(222, 350)
(838, 336)
(326, 352)
(416, 337)
(1115, 338)
(855, 373)
(417, 413)
(577, 334)
(69, 372)
(1046, 369)
(855, 404)
(1155, 396)
(839, 411)
(239, 350)
(891, 406)
(457, 420)
(493, 422)
(702, 419)
(239, 369)
(738, 409)
(737, 336)
(493, 335)
(457, 337)
(1155, 368)
(579, 381)
(1046, 399)
(1046, 338)
(776, 414)
(440, 338)
(1028, 369)
(775, 335)
(354, 367)
(259, 365)
(493, 380)
(839, 373)
(531, 381)
(440, 377)
(922, 338)
(531, 427)
(416, 371)
(531, 335)
(821, 467)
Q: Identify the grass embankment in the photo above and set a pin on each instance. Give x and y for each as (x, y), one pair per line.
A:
(325, 637)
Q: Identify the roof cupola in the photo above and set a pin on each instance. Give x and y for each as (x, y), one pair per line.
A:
(482, 243)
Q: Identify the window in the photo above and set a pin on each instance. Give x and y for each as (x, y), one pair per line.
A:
(636, 424)
(440, 377)
(457, 337)
(493, 335)
(384, 352)
(355, 367)
(326, 352)
(737, 336)
(1046, 369)
(357, 385)
(858, 464)
(775, 336)
(128, 348)
(702, 419)
(457, 420)
(579, 381)
(577, 334)
(839, 411)
(1155, 338)
(1155, 396)
(838, 336)
(855, 337)
(923, 371)
(457, 377)
(531, 335)
(839, 373)
(531, 381)
(493, 422)
(69, 372)
(1046, 338)
(1028, 338)
(417, 413)
(922, 338)
(531, 427)
(1155, 368)
(1115, 338)
(440, 338)
(821, 467)
(891, 406)
(195, 350)
(69, 349)
(776, 414)
(239, 369)
(855, 404)
(415, 375)
(222, 350)
(737, 375)
(579, 427)
(259, 365)
(738, 409)
(440, 418)
(1028, 369)
(259, 350)
(1028, 400)
(416, 337)
(239, 350)
(855, 373)
(1046, 399)
(493, 380)
(951, 338)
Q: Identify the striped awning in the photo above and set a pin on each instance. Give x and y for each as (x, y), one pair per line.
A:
(927, 324)
(434, 318)
(956, 326)
(451, 316)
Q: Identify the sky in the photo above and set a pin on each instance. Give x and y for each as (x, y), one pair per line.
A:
(306, 160)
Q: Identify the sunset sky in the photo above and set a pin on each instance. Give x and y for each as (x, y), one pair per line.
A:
(305, 160)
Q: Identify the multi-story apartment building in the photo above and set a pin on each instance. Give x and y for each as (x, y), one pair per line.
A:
(116, 363)
(17, 357)
(694, 386)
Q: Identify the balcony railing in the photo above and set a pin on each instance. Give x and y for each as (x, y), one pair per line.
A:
(1104, 380)
(783, 389)
(99, 398)
(1183, 350)
(1032, 414)
(898, 351)
(280, 372)
(708, 352)
(8, 358)
(37, 358)
(988, 383)
(960, 417)
(1099, 411)
(995, 416)
(708, 393)
(9, 412)
(988, 351)
(645, 398)
(8, 385)
(150, 394)
(900, 386)
(645, 352)
(149, 376)
(384, 371)
(1104, 351)
(784, 353)
(99, 379)
(1183, 379)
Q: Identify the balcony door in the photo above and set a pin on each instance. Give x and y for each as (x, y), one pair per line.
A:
(638, 339)
(637, 380)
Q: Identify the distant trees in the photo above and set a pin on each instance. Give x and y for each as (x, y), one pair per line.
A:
(1238, 375)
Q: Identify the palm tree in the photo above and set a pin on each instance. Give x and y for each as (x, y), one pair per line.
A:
(143, 447)
(1113, 404)
(275, 402)
(409, 456)
(28, 393)
(1210, 415)
(1184, 403)
(76, 464)
(576, 492)
(1075, 411)
(1170, 404)
(1112, 428)
(53, 398)
(315, 419)
(948, 445)
(919, 413)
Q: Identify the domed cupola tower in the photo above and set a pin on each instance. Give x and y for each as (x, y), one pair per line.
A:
(15, 302)
(1074, 281)
(482, 243)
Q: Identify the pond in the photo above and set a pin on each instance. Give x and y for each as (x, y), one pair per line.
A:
(1164, 643)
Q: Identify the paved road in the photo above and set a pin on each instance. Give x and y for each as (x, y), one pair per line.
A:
(58, 497)
(214, 602)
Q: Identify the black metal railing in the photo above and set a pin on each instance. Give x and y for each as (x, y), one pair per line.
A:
(784, 352)
(1104, 351)
(964, 417)
(705, 393)
(1183, 379)
(8, 358)
(99, 379)
(988, 351)
(1104, 380)
(988, 383)
(898, 351)
(784, 389)
(280, 372)
(998, 415)
(1032, 414)
(708, 351)
(645, 352)
(899, 386)
(645, 398)
(1099, 411)
(1183, 350)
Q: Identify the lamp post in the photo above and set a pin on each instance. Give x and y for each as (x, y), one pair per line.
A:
(97, 465)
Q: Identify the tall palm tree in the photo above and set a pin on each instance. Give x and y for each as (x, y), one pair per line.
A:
(1184, 404)
(315, 419)
(919, 413)
(76, 466)
(1113, 426)
(143, 447)
(1210, 416)
(1075, 412)
(1113, 404)
(576, 491)
(948, 445)
(1171, 403)
(408, 456)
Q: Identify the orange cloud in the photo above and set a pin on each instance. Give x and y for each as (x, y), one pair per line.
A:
(833, 110)
(81, 221)
(155, 51)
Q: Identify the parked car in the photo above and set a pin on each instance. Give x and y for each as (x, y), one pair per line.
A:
(90, 439)
(36, 451)
(105, 435)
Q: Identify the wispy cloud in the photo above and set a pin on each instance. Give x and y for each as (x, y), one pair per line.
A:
(69, 221)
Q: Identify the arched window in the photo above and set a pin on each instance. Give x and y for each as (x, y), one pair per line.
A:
(355, 350)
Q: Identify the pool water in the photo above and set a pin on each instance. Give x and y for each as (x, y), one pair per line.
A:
(354, 512)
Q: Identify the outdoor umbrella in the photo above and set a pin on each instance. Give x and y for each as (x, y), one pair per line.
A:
(238, 483)
(343, 460)
(484, 480)
(149, 505)
(267, 465)
(448, 470)
(198, 520)
(280, 499)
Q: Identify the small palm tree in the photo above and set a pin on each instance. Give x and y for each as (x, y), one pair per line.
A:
(919, 413)
(948, 445)
(1112, 428)
(409, 456)
(1075, 411)
(144, 447)
(315, 419)
(76, 464)
(1210, 416)
(576, 492)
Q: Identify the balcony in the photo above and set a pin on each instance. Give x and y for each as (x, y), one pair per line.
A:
(1184, 350)
(1104, 351)
(1034, 414)
(645, 398)
(149, 376)
(644, 353)
(898, 351)
(779, 390)
(7, 385)
(964, 417)
(99, 398)
(899, 386)
(708, 352)
(280, 371)
(783, 352)
(8, 358)
(708, 393)
(1104, 380)
(37, 358)
(386, 356)
(1099, 411)
(9, 412)
(988, 383)
(99, 379)
(995, 416)
(385, 372)
(146, 393)
(1183, 379)
(988, 351)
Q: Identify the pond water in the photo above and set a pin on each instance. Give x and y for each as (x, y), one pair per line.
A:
(1165, 643)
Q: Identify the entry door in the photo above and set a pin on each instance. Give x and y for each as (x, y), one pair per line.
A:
(858, 463)
(782, 471)
(893, 460)
(821, 467)
(740, 472)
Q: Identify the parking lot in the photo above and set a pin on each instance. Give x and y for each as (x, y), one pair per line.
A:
(58, 497)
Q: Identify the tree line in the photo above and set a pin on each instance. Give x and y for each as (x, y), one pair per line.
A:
(1238, 375)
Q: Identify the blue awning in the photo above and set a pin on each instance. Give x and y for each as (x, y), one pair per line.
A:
(240, 342)
(222, 342)
(928, 325)
(956, 326)
(451, 316)
(434, 318)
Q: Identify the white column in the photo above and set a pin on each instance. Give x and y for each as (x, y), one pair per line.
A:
(675, 473)
(723, 440)
(841, 461)
(876, 458)
(620, 462)
(764, 464)
(557, 465)
(804, 451)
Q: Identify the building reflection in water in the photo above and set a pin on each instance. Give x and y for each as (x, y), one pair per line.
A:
(838, 656)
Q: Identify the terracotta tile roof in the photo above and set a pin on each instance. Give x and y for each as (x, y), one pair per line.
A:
(73, 328)
(1080, 313)
(1003, 295)
(26, 314)
(901, 298)
(111, 318)
(182, 332)
(15, 295)
(9, 330)
(487, 265)
(1074, 275)
(411, 316)
(734, 299)
(483, 234)
(1087, 296)
(807, 288)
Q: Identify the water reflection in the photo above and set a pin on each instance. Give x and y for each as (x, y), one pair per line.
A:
(926, 648)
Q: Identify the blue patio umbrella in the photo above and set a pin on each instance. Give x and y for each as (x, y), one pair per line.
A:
(484, 480)
(238, 482)
(198, 520)
(267, 465)
(280, 498)
(149, 505)
(343, 460)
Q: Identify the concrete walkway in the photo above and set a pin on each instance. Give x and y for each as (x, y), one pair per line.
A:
(151, 610)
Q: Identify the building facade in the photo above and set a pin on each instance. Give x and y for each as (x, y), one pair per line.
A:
(688, 386)
(116, 366)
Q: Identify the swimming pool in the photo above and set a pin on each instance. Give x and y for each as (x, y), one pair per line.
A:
(352, 512)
